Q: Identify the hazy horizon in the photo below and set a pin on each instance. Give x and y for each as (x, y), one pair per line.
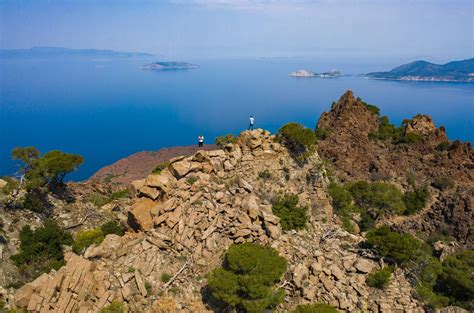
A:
(437, 31)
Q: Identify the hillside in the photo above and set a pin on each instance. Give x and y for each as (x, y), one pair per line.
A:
(456, 71)
(357, 220)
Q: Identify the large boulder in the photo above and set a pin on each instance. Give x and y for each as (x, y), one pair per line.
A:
(165, 181)
(3, 183)
(182, 168)
(139, 215)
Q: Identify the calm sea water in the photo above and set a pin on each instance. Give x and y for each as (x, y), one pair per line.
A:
(106, 110)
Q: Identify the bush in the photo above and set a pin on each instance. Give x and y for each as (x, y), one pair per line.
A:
(191, 179)
(443, 183)
(456, 280)
(165, 277)
(443, 146)
(40, 249)
(120, 194)
(388, 131)
(314, 308)
(415, 200)
(114, 307)
(380, 278)
(112, 227)
(265, 174)
(299, 140)
(225, 140)
(322, 133)
(247, 280)
(85, 238)
(383, 197)
(160, 167)
(292, 215)
(400, 248)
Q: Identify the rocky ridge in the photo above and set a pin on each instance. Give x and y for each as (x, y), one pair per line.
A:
(182, 220)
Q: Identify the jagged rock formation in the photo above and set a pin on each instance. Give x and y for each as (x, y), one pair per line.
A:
(183, 219)
(355, 157)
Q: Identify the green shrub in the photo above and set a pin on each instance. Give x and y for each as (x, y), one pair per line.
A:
(408, 138)
(322, 133)
(85, 238)
(456, 280)
(399, 247)
(112, 227)
(40, 249)
(443, 183)
(191, 180)
(415, 200)
(299, 140)
(35, 201)
(247, 280)
(120, 194)
(265, 174)
(443, 146)
(397, 135)
(114, 307)
(383, 197)
(341, 199)
(160, 167)
(292, 215)
(380, 278)
(98, 200)
(165, 277)
(225, 140)
(314, 308)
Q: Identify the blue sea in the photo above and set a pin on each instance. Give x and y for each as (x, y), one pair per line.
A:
(108, 109)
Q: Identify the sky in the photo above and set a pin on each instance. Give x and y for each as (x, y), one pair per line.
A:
(436, 30)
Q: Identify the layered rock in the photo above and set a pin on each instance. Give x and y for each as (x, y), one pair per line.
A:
(183, 220)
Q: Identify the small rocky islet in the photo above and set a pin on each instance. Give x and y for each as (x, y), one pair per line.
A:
(179, 221)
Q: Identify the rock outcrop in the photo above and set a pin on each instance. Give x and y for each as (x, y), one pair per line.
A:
(356, 157)
(182, 221)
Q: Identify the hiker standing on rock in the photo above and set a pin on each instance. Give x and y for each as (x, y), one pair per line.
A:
(252, 121)
(200, 140)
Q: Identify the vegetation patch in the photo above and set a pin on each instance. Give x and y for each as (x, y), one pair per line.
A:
(265, 175)
(397, 135)
(86, 238)
(114, 307)
(191, 180)
(444, 146)
(247, 279)
(40, 249)
(443, 183)
(372, 108)
(160, 167)
(165, 277)
(298, 139)
(380, 278)
(222, 141)
(315, 308)
(292, 215)
(322, 133)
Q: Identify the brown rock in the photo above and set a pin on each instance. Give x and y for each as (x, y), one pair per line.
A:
(139, 216)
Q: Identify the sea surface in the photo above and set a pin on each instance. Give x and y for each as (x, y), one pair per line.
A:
(108, 109)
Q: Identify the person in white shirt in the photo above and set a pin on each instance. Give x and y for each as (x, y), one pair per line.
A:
(200, 140)
(252, 121)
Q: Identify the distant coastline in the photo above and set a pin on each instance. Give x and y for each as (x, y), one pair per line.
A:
(307, 73)
(456, 71)
(55, 52)
(169, 66)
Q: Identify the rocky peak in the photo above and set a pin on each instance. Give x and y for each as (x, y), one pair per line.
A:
(349, 115)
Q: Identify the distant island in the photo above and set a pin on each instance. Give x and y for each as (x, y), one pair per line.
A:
(306, 73)
(55, 52)
(456, 71)
(169, 66)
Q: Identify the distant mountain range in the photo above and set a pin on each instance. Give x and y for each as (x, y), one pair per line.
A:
(456, 71)
(54, 52)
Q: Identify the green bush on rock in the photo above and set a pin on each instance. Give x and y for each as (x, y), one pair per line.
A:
(247, 280)
(114, 307)
(298, 139)
(160, 167)
(380, 278)
(40, 249)
(225, 140)
(400, 248)
(292, 215)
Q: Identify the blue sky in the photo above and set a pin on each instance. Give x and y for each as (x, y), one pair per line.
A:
(437, 30)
